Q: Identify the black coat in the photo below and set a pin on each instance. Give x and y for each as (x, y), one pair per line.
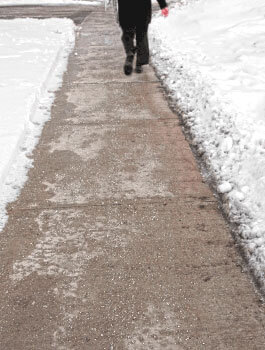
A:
(136, 12)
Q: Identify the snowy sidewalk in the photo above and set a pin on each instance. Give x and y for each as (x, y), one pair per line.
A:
(115, 241)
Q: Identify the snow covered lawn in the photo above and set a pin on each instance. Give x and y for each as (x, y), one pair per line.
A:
(211, 56)
(33, 57)
(49, 2)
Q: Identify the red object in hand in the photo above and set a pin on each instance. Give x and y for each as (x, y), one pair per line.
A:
(165, 12)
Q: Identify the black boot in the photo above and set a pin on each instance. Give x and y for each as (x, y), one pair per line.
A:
(138, 68)
(128, 65)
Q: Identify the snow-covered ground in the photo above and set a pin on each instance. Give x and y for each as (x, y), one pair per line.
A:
(211, 56)
(33, 58)
(49, 2)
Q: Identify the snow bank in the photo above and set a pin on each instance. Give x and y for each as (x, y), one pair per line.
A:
(49, 2)
(33, 58)
(211, 56)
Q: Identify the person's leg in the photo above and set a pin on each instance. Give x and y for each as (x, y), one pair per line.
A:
(127, 38)
(142, 47)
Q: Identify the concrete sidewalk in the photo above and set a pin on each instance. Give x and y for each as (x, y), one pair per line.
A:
(115, 242)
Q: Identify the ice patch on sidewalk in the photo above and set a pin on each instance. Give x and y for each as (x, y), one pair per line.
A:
(50, 256)
(84, 142)
(156, 330)
(66, 243)
(138, 181)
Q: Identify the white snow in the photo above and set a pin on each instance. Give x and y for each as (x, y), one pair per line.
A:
(211, 56)
(48, 2)
(33, 58)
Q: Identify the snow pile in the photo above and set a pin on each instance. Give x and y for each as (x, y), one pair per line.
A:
(33, 57)
(211, 56)
(48, 2)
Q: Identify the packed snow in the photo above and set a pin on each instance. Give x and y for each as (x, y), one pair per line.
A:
(48, 2)
(33, 57)
(211, 56)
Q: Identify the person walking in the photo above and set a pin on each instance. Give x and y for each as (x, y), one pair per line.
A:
(134, 18)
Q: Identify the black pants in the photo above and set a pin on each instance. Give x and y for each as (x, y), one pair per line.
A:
(142, 46)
